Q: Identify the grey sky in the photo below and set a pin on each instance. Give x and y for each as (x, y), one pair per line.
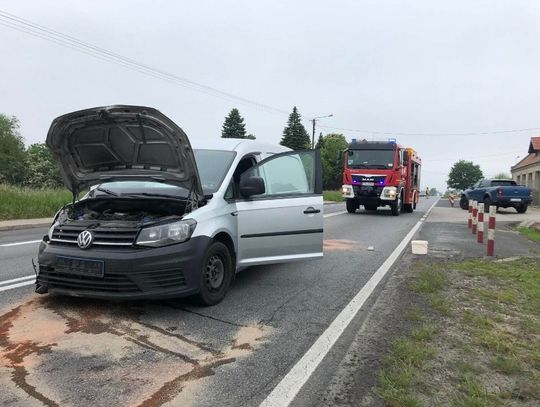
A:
(419, 67)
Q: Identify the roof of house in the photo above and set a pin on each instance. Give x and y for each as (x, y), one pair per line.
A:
(534, 147)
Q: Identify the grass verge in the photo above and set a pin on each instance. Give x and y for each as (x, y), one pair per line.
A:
(27, 203)
(530, 233)
(475, 343)
(333, 196)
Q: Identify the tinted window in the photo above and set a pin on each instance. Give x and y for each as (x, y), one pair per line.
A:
(503, 183)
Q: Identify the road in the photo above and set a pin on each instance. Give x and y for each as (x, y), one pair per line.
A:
(67, 351)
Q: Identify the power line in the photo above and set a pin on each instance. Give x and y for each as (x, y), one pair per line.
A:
(28, 27)
(399, 133)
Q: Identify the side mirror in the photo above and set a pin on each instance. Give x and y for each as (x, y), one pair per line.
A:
(250, 186)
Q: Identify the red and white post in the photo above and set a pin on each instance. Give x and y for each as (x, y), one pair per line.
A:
(491, 231)
(474, 217)
(480, 234)
(470, 213)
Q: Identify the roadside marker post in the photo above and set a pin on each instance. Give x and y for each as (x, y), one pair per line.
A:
(491, 231)
(470, 213)
(474, 217)
(480, 234)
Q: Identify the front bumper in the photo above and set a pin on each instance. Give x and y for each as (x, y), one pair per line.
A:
(129, 273)
(370, 195)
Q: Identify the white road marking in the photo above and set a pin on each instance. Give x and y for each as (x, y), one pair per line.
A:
(15, 280)
(287, 389)
(20, 243)
(17, 285)
(329, 215)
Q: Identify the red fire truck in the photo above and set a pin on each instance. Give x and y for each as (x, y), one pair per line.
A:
(381, 173)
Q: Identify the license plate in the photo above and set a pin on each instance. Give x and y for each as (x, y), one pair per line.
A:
(368, 184)
(515, 200)
(84, 267)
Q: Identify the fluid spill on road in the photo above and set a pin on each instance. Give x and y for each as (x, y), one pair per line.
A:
(332, 245)
(63, 352)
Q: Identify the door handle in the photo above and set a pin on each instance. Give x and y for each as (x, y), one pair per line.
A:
(311, 210)
(235, 213)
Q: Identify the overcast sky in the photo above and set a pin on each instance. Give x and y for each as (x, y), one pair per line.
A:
(387, 66)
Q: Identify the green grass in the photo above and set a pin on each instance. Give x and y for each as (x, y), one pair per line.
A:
(480, 334)
(530, 233)
(333, 196)
(27, 203)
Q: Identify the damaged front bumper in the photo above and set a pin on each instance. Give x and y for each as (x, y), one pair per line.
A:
(128, 273)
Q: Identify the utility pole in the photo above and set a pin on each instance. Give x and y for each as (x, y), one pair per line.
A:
(313, 121)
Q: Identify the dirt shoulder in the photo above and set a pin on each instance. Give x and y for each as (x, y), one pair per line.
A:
(451, 328)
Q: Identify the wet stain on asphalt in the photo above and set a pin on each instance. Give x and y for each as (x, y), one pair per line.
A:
(335, 245)
(46, 339)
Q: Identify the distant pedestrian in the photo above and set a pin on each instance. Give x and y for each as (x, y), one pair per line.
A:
(452, 198)
(427, 193)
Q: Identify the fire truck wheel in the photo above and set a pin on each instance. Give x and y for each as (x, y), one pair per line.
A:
(396, 206)
(352, 206)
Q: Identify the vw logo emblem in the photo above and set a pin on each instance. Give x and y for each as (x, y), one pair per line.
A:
(85, 238)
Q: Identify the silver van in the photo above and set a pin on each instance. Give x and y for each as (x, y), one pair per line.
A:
(162, 219)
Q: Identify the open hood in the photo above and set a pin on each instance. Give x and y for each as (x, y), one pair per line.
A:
(118, 143)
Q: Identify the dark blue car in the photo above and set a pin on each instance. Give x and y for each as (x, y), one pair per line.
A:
(502, 193)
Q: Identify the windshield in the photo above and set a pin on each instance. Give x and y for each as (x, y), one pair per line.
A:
(212, 166)
(371, 159)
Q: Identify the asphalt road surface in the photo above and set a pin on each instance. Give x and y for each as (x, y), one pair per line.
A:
(59, 351)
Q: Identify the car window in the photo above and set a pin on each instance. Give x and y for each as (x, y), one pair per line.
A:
(213, 166)
(503, 183)
(290, 174)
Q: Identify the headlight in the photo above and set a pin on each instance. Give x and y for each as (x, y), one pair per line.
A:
(389, 193)
(169, 233)
(347, 191)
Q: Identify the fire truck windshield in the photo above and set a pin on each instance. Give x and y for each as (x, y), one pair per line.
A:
(382, 159)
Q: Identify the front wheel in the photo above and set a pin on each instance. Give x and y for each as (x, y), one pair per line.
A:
(395, 207)
(216, 274)
(522, 208)
(351, 205)
(464, 203)
(487, 204)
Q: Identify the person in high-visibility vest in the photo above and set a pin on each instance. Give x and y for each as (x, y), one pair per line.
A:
(427, 193)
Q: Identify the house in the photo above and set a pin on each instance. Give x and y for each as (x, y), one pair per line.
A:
(527, 171)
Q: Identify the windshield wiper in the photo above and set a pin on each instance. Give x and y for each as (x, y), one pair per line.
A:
(154, 195)
(107, 191)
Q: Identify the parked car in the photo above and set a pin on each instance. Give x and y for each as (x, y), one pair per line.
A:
(502, 193)
(160, 219)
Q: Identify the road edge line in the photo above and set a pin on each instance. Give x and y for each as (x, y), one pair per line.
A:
(290, 385)
(20, 243)
(11, 287)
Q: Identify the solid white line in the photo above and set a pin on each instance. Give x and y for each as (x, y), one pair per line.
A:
(329, 215)
(17, 279)
(19, 243)
(10, 287)
(287, 389)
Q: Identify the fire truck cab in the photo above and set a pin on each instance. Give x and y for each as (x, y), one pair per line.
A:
(381, 173)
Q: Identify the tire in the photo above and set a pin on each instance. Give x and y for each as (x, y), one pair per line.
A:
(522, 208)
(396, 206)
(464, 203)
(351, 205)
(408, 208)
(370, 207)
(216, 274)
(487, 204)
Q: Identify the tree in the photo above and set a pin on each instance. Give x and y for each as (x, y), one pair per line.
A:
(12, 153)
(502, 175)
(463, 174)
(332, 145)
(251, 137)
(42, 167)
(295, 135)
(433, 192)
(234, 126)
(320, 142)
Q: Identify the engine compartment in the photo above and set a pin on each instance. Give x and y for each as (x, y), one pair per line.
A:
(123, 210)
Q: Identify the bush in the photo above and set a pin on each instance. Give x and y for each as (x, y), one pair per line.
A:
(25, 203)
